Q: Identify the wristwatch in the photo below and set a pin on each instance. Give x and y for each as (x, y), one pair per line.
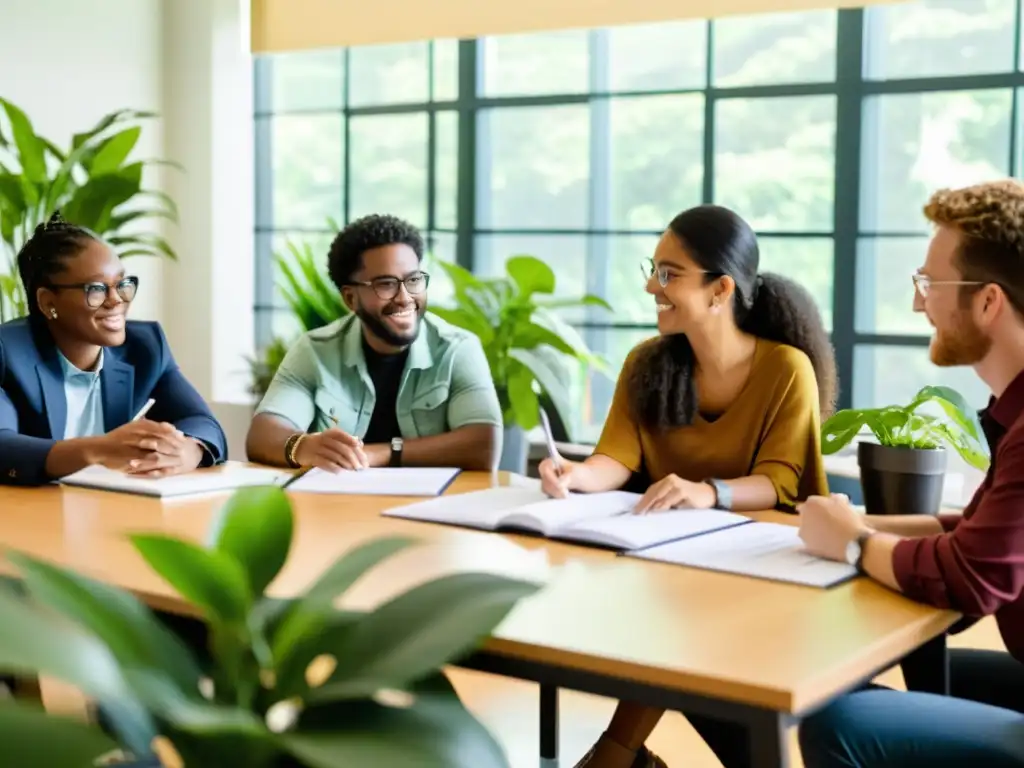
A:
(723, 493)
(396, 452)
(855, 550)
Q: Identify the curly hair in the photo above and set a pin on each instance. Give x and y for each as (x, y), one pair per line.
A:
(345, 257)
(44, 254)
(990, 220)
(769, 306)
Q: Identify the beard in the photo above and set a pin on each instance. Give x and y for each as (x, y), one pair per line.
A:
(379, 327)
(963, 344)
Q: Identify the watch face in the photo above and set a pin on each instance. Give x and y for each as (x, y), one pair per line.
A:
(396, 443)
(853, 552)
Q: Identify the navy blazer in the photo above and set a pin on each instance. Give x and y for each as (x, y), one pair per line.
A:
(33, 406)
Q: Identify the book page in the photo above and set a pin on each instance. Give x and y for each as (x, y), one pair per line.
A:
(553, 516)
(636, 531)
(224, 478)
(771, 551)
(476, 509)
(382, 481)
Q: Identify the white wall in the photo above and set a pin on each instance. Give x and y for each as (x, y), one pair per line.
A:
(209, 292)
(68, 64)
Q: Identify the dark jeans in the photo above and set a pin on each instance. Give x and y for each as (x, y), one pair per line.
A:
(980, 723)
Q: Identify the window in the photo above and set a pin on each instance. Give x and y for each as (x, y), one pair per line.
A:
(826, 130)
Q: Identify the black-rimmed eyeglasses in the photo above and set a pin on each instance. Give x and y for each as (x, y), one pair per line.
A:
(387, 287)
(96, 293)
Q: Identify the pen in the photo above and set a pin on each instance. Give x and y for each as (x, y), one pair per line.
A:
(145, 409)
(549, 438)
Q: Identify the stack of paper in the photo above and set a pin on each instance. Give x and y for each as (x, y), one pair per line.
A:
(224, 478)
(771, 551)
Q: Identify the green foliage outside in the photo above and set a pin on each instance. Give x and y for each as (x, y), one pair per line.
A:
(290, 683)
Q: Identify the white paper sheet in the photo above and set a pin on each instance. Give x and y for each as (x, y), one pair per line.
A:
(225, 478)
(476, 509)
(763, 550)
(384, 481)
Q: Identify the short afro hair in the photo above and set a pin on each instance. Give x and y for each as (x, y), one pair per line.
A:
(374, 231)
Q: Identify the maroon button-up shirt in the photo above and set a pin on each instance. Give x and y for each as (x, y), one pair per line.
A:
(976, 566)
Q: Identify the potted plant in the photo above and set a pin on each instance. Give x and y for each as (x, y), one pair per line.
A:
(313, 300)
(293, 683)
(528, 346)
(903, 471)
(92, 183)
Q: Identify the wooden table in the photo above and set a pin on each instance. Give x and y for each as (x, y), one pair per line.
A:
(754, 652)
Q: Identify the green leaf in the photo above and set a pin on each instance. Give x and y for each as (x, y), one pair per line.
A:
(190, 713)
(30, 148)
(33, 739)
(255, 528)
(552, 377)
(955, 406)
(12, 196)
(93, 203)
(119, 220)
(34, 642)
(531, 275)
(463, 317)
(106, 122)
(587, 300)
(210, 579)
(435, 732)
(840, 429)
(128, 627)
(529, 335)
(114, 151)
(307, 615)
(417, 632)
(525, 405)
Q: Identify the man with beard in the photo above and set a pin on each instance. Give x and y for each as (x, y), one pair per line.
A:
(386, 385)
(971, 288)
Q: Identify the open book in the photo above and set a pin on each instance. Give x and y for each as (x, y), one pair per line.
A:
(770, 551)
(601, 519)
(227, 477)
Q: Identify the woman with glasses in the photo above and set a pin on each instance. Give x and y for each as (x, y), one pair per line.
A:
(77, 378)
(721, 410)
(388, 385)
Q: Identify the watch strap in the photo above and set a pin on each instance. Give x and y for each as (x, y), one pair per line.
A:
(396, 452)
(723, 493)
(862, 541)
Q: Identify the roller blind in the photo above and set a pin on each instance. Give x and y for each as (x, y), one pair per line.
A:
(290, 25)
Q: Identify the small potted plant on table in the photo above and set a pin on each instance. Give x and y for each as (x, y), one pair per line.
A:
(903, 471)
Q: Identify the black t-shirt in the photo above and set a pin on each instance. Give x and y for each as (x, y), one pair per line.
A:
(386, 373)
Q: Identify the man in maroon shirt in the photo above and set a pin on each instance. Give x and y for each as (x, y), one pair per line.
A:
(971, 288)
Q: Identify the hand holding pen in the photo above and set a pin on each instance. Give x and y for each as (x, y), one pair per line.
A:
(332, 450)
(555, 472)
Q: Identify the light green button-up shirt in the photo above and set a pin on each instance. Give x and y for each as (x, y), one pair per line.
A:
(446, 383)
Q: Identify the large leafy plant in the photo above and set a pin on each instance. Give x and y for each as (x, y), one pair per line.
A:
(907, 427)
(312, 299)
(528, 347)
(92, 183)
(291, 683)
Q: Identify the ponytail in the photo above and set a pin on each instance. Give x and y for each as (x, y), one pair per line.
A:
(784, 311)
(664, 394)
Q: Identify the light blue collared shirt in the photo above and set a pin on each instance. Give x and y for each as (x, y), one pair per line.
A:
(85, 403)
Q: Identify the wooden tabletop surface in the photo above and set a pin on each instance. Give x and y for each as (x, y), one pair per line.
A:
(781, 646)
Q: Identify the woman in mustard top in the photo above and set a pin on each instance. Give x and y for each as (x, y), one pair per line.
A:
(723, 410)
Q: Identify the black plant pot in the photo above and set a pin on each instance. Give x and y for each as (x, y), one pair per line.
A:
(901, 481)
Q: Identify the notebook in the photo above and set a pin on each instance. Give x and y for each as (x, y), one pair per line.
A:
(770, 551)
(227, 477)
(383, 481)
(601, 519)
